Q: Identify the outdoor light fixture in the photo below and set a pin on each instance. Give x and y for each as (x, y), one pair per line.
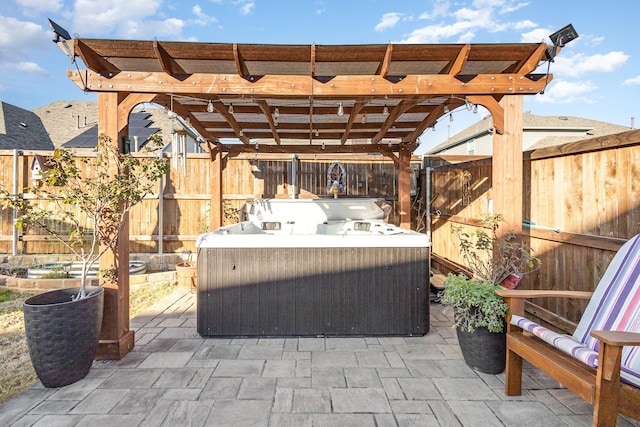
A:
(257, 146)
(564, 36)
(446, 108)
(340, 109)
(276, 112)
(317, 133)
(467, 105)
(61, 37)
(230, 108)
(385, 110)
(450, 117)
(323, 145)
(210, 107)
(475, 109)
(560, 38)
(58, 31)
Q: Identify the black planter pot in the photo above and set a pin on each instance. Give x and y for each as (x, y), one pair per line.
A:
(483, 350)
(62, 335)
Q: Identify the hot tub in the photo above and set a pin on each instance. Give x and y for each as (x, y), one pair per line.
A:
(321, 267)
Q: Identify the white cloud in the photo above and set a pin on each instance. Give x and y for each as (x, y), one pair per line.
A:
(579, 64)
(39, 6)
(462, 25)
(170, 28)
(202, 18)
(388, 20)
(247, 8)
(632, 81)
(468, 21)
(103, 17)
(15, 46)
(566, 92)
(512, 7)
(30, 67)
(24, 67)
(521, 25)
(18, 36)
(536, 36)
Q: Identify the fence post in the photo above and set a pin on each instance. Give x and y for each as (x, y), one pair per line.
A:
(14, 240)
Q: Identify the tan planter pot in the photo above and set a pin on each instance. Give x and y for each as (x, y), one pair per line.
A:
(187, 274)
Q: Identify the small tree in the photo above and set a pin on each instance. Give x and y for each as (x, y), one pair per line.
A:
(94, 206)
(491, 258)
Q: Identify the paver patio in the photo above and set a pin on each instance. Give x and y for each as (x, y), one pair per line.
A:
(174, 377)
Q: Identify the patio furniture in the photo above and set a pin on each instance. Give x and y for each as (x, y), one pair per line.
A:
(600, 362)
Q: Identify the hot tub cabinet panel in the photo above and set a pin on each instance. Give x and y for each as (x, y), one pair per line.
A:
(312, 291)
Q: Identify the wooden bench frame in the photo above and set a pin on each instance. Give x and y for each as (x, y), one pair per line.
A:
(601, 387)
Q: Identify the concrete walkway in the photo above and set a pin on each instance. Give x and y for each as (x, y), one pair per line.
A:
(174, 377)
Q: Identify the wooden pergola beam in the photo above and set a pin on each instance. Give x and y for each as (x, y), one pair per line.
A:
(223, 110)
(459, 62)
(530, 64)
(93, 60)
(266, 110)
(357, 107)
(167, 62)
(494, 107)
(305, 86)
(314, 149)
(396, 112)
(383, 70)
(241, 66)
(431, 120)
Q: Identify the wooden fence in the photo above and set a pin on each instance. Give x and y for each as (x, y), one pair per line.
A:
(186, 196)
(582, 200)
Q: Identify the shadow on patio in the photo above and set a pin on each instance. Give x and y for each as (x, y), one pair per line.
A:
(175, 377)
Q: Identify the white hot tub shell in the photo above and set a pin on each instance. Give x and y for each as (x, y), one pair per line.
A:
(313, 267)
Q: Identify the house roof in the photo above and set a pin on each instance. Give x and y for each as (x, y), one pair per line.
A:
(74, 124)
(531, 122)
(22, 129)
(66, 120)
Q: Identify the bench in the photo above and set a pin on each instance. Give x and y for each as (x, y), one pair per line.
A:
(600, 362)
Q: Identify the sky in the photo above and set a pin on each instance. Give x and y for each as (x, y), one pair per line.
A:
(596, 76)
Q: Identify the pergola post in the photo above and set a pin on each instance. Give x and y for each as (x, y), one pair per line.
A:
(404, 185)
(116, 339)
(216, 189)
(507, 166)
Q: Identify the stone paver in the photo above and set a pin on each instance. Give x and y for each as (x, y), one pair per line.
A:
(175, 377)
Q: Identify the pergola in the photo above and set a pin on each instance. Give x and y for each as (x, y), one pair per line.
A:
(252, 98)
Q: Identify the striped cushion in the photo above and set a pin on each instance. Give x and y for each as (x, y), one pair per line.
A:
(562, 342)
(615, 306)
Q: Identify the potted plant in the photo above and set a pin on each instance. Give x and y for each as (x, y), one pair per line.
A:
(63, 326)
(478, 311)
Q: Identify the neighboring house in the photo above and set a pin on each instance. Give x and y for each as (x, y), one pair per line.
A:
(538, 132)
(21, 129)
(74, 124)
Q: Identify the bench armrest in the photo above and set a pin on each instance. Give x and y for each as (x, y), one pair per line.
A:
(526, 294)
(617, 338)
(515, 299)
